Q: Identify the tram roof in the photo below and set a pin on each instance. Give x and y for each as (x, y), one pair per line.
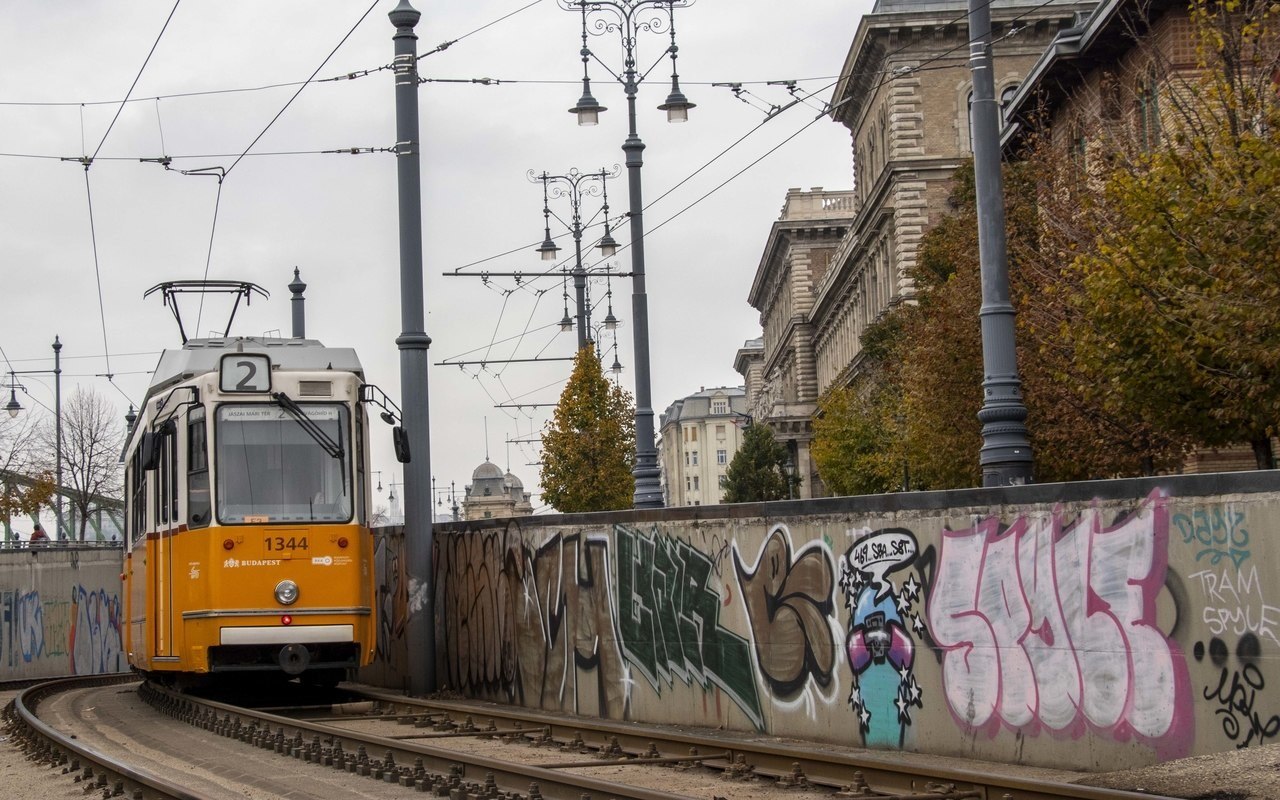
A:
(200, 356)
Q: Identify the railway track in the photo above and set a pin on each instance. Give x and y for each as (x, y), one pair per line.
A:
(481, 752)
(98, 771)
(791, 766)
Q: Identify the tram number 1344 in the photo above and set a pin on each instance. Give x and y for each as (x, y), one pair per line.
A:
(276, 543)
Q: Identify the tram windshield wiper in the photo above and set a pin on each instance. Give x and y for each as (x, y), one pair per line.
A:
(326, 442)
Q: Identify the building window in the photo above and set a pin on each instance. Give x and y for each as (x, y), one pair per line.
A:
(722, 457)
(695, 483)
(693, 434)
(719, 406)
(720, 431)
(724, 481)
(688, 484)
(1006, 97)
(695, 458)
(686, 458)
(1148, 110)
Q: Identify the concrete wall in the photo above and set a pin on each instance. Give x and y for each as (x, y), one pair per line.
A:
(60, 611)
(1090, 625)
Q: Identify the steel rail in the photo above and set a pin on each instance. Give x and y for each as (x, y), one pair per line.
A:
(476, 769)
(888, 773)
(49, 745)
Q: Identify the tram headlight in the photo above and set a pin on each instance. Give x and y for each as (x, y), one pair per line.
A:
(287, 593)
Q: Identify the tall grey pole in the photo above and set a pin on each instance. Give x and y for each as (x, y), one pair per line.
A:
(648, 492)
(57, 414)
(413, 343)
(298, 305)
(579, 279)
(1005, 456)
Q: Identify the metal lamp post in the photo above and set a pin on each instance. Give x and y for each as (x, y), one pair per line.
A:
(594, 334)
(1005, 456)
(13, 407)
(628, 18)
(575, 186)
(413, 343)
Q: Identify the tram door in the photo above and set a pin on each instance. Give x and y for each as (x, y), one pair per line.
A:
(166, 515)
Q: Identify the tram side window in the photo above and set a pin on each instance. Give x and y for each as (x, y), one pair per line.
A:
(166, 505)
(360, 477)
(197, 471)
(172, 496)
(138, 499)
(162, 486)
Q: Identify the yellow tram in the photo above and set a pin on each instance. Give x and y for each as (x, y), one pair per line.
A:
(247, 483)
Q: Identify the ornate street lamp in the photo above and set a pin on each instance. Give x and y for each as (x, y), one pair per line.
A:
(627, 19)
(576, 186)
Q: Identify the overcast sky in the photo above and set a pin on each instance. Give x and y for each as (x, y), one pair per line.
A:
(334, 216)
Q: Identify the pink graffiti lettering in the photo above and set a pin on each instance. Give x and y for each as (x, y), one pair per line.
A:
(1052, 624)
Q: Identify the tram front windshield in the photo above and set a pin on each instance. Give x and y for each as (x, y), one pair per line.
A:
(270, 468)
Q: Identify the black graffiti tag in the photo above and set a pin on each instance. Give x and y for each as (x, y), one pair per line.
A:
(1237, 694)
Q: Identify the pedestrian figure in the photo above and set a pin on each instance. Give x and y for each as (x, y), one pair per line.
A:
(38, 536)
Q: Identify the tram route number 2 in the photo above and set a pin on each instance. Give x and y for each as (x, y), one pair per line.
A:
(280, 543)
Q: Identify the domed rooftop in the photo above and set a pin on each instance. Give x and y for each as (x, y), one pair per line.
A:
(486, 471)
(512, 482)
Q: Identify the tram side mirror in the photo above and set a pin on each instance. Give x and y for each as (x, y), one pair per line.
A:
(400, 440)
(149, 448)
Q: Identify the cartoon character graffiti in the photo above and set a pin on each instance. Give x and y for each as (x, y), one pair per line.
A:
(881, 649)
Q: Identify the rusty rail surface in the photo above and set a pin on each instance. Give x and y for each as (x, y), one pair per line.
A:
(875, 776)
(430, 769)
(96, 770)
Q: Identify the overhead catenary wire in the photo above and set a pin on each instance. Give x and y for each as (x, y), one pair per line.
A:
(136, 78)
(88, 161)
(659, 199)
(304, 85)
(884, 76)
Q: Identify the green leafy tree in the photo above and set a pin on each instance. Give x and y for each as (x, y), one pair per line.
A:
(588, 447)
(859, 430)
(1077, 434)
(758, 471)
(1182, 289)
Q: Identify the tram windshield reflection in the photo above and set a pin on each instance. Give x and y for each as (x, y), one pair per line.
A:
(269, 468)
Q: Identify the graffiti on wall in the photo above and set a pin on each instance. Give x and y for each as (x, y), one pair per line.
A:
(1236, 691)
(1234, 603)
(393, 603)
(95, 632)
(880, 643)
(532, 625)
(1215, 533)
(669, 621)
(788, 600)
(1051, 623)
(80, 636)
(23, 618)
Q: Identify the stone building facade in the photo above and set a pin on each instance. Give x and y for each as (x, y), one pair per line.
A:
(493, 493)
(698, 437)
(836, 261)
